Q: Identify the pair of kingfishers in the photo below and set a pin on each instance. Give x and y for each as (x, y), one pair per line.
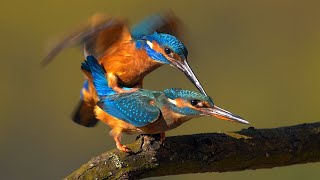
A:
(118, 59)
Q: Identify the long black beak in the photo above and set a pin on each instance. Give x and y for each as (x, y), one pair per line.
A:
(185, 68)
(223, 114)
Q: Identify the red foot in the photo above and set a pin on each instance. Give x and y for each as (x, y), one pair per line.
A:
(123, 148)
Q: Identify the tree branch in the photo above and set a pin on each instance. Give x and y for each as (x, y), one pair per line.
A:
(215, 152)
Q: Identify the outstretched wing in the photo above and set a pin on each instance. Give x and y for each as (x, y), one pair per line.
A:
(162, 23)
(97, 35)
(133, 108)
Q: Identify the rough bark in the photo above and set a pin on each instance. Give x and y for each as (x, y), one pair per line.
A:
(215, 152)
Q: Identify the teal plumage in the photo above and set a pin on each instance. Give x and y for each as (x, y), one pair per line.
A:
(142, 109)
(141, 49)
(133, 108)
(167, 40)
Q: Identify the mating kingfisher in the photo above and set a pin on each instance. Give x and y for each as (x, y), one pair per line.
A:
(145, 111)
(126, 55)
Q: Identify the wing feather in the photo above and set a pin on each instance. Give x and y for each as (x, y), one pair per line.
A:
(132, 108)
(96, 36)
(162, 23)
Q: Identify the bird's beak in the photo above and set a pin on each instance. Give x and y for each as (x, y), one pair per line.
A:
(184, 67)
(223, 114)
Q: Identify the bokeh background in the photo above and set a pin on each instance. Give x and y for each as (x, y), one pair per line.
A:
(258, 59)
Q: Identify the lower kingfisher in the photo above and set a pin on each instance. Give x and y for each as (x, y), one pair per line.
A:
(127, 56)
(145, 111)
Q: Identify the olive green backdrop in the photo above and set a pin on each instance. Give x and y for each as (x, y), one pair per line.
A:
(258, 59)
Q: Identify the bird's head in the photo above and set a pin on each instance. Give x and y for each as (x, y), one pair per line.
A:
(190, 103)
(167, 49)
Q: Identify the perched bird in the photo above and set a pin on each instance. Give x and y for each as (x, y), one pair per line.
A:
(145, 111)
(127, 56)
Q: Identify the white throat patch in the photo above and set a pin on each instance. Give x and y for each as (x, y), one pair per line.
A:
(172, 101)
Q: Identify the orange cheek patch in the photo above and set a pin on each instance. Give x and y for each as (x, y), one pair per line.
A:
(181, 103)
(157, 47)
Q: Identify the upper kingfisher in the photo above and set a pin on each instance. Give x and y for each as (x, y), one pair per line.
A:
(127, 56)
(145, 111)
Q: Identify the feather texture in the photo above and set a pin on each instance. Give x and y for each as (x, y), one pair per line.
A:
(97, 35)
(92, 66)
(133, 108)
(167, 40)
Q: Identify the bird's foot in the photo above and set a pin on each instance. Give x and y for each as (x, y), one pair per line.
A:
(123, 148)
(120, 90)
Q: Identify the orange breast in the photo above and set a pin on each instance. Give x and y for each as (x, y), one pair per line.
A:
(118, 125)
(129, 64)
(115, 123)
(167, 121)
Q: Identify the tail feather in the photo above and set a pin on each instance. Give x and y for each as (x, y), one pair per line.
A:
(84, 114)
(84, 111)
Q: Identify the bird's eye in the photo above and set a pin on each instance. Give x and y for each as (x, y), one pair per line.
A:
(194, 102)
(168, 51)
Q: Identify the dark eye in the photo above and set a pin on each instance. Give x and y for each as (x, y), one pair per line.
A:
(194, 102)
(168, 51)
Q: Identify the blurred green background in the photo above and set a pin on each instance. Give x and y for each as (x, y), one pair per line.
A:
(258, 59)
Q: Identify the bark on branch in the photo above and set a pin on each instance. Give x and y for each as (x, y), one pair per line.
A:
(215, 152)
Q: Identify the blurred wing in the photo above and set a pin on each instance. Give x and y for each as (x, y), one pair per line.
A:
(97, 35)
(162, 23)
(132, 108)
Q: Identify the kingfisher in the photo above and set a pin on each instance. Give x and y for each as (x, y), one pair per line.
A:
(127, 55)
(145, 111)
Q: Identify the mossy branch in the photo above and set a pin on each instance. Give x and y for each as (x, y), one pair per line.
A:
(215, 152)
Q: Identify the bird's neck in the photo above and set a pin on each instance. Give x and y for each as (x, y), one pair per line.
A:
(173, 119)
(130, 64)
(144, 64)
